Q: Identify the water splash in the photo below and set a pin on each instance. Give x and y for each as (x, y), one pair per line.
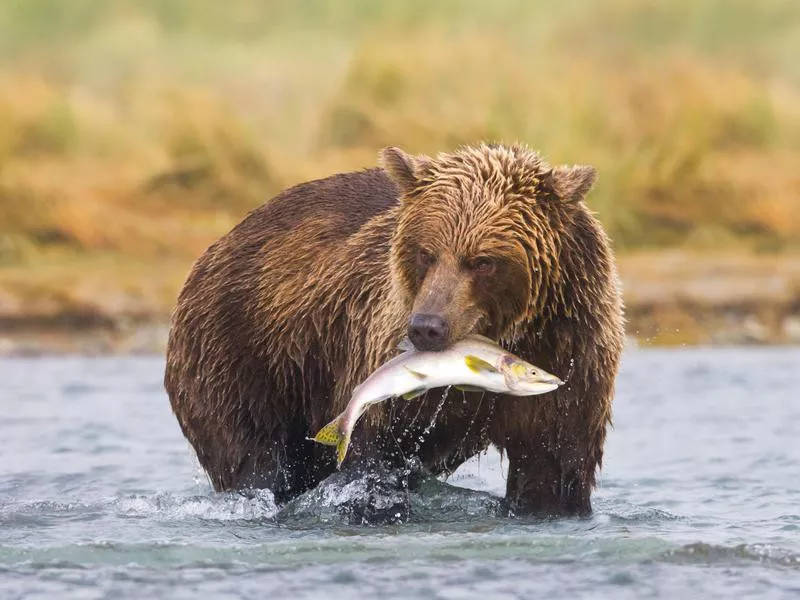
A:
(255, 505)
(472, 421)
(199, 475)
(569, 371)
(436, 412)
(354, 498)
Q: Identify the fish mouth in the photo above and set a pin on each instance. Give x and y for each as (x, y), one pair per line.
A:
(548, 380)
(534, 389)
(538, 386)
(551, 380)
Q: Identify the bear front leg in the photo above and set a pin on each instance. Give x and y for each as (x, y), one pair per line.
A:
(541, 483)
(553, 453)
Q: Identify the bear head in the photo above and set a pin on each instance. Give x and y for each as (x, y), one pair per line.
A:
(478, 238)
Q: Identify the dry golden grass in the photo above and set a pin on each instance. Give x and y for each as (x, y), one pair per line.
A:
(137, 133)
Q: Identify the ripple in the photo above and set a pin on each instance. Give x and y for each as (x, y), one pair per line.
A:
(642, 514)
(714, 554)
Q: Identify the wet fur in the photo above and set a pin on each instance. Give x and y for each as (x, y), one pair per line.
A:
(282, 317)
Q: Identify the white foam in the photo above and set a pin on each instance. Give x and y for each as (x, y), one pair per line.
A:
(484, 472)
(217, 507)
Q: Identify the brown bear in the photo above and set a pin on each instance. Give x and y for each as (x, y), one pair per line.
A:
(282, 317)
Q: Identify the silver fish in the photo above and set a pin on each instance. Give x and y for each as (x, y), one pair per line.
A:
(473, 363)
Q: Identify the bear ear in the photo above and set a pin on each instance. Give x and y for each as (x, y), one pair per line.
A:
(405, 170)
(571, 184)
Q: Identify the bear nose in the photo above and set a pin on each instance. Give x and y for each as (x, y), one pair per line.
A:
(428, 332)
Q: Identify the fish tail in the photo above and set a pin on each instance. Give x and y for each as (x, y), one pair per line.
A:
(341, 449)
(331, 434)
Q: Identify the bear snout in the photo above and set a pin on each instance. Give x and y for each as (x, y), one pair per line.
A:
(428, 332)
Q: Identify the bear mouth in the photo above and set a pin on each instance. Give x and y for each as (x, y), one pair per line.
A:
(482, 326)
(479, 326)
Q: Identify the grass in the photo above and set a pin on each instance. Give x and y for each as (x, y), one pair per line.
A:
(135, 134)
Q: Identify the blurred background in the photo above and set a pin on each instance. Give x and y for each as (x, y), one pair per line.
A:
(135, 133)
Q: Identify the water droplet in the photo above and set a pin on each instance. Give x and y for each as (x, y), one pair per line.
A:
(437, 411)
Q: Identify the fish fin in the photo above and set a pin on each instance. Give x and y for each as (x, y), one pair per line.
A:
(478, 365)
(405, 345)
(414, 394)
(330, 434)
(341, 449)
(416, 374)
(469, 388)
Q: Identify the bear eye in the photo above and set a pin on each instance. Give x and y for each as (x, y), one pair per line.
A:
(425, 258)
(482, 265)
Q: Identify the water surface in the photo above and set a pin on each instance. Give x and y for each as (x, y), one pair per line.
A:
(100, 497)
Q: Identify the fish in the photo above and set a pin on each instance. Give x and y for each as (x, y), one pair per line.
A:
(475, 363)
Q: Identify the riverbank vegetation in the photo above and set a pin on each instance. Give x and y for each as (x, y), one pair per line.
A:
(133, 134)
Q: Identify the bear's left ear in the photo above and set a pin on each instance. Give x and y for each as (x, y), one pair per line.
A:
(405, 170)
(571, 184)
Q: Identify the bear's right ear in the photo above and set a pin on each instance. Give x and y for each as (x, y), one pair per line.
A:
(571, 184)
(405, 170)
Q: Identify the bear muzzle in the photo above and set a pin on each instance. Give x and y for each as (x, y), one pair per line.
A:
(429, 332)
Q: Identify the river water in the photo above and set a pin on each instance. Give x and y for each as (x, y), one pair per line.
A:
(101, 497)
